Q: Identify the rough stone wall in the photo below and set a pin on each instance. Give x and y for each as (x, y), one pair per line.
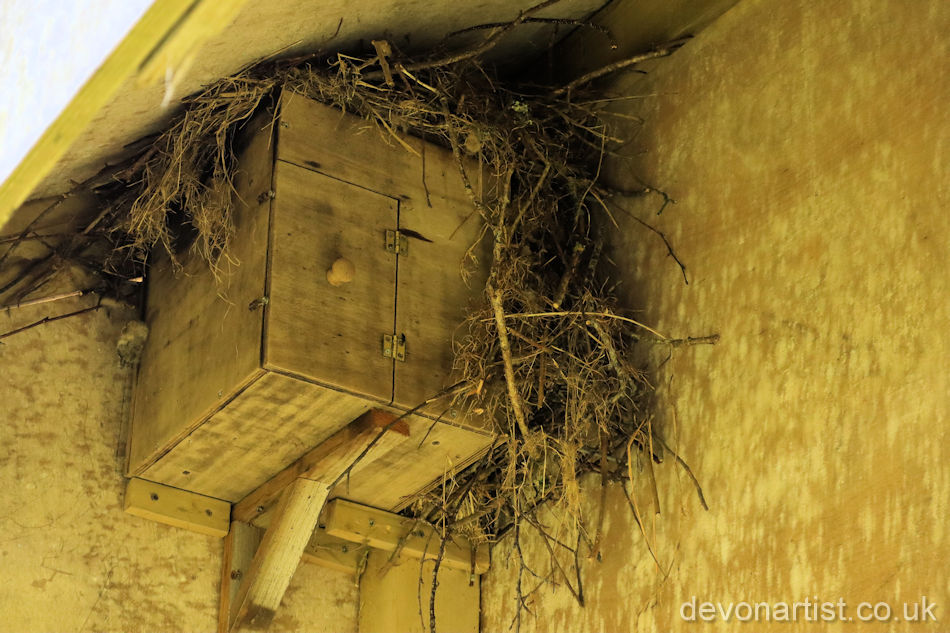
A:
(806, 145)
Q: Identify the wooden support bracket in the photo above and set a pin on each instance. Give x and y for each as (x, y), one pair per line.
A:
(302, 490)
(276, 560)
(180, 508)
(388, 531)
(325, 463)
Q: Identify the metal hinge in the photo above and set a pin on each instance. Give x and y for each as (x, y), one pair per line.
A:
(397, 243)
(394, 346)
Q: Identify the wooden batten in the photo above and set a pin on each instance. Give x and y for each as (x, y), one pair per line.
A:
(240, 545)
(388, 532)
(179, 508)
(334, 553)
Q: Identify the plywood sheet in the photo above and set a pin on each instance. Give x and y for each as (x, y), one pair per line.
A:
(204, 342)
(331, 335)
(438, 284)
(391, 592)
(271, 424)
(413, 464)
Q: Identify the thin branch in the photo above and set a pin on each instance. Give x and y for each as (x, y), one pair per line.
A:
(660, 51)
(689, 471)
(488, 44)
(49, 320)
(504, 344)
(669, 247)
(50, 299)
(557, 21)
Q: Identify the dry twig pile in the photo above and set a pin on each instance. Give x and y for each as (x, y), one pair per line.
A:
(548, 354)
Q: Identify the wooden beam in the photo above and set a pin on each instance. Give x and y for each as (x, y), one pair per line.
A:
(388, 531)
(240, 545)
(167, 27)
(179, 508)
(303, 489)
(324, 463)
(334, 553)
(263, 587)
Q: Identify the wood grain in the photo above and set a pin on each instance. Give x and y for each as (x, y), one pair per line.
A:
(433, 298)
(263, 587)
(388, 531)
(330, 334)
(240, 545)
(271, 424)
(326, 462)
(334, 553)
(179, 508)
(204, 343)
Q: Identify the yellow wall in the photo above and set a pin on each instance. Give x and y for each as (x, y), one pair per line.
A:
(72, 560)
(807, 146)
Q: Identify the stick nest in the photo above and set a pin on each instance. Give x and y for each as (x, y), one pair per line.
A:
(547, 354)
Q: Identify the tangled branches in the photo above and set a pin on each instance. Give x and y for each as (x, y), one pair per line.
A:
(548, 354)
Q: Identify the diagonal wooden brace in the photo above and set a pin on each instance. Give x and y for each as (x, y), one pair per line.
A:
(300, 492)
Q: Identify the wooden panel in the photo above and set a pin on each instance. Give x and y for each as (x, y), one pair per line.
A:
(390, 595)
(180, 508)
(279, 554)
(240, 545)
(388, 531)
(346, 147)
(204, 343)
(330, 334)
(432, 299)
(271, 424)
(327, 461)
(413, 464)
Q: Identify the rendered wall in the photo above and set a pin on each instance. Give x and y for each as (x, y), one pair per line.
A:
(72, 560)
(806, 144)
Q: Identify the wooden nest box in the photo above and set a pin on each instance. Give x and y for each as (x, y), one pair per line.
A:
(342, 294)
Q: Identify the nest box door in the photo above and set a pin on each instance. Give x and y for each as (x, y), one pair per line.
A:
(325, 328)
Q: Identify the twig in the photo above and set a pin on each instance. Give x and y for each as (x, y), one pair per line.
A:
(556, 21)
(504, 344)
(488, 44)
(50, 299)
(435, 580)
(689, 471)
(661, 51)
(49, 320)
(599, 315)
(669, 247)
(689, 341)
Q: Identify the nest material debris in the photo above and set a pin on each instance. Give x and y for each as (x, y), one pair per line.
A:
(548, 354)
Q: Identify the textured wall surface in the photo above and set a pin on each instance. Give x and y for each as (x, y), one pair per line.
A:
(806, 145)
(72, 559)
